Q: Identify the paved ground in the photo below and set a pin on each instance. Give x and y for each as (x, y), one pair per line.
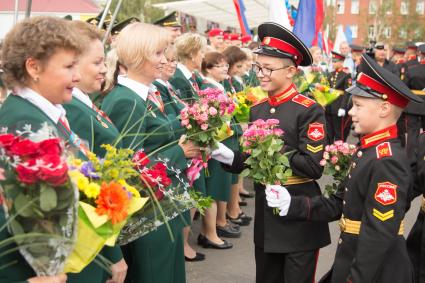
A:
(237, 264)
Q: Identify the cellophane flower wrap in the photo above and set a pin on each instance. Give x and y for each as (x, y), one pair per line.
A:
(39, 200)
(207, 121)
(168, 193)
(244, 100)
(316, 85)
(107, 201)
(266, 164)
(336, 162)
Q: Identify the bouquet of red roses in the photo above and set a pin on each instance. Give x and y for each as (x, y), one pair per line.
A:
(40, 202)
(336, 160)
(207, 121)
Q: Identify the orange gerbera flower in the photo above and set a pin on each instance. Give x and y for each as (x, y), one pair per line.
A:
(113, 201)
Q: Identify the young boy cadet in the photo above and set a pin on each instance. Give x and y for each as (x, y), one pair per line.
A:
(286, 251)
(372, 201)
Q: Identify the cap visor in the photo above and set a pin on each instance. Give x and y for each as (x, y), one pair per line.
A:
(355, 90)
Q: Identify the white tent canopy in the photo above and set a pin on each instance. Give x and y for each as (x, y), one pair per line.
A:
(221, 11)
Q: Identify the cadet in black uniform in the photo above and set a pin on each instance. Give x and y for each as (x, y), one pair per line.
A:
(372, 201)
(416, 240)
(337, 123)
(286, 251)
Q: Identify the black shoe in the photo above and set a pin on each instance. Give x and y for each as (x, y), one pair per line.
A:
(208, 244)
(243, 203)
(233, 225)
(228, 232)
(201, 239)
(241, 220)
(248, 195)
(198, 257)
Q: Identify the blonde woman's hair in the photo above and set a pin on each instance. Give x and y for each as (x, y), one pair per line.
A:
(112, 66)
(137, 42)
(188, 45)
(87, 33)
(314, 49)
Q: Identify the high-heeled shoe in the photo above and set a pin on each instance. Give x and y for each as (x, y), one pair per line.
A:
(207, 244)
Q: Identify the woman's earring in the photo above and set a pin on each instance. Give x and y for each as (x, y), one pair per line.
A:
(36, 79)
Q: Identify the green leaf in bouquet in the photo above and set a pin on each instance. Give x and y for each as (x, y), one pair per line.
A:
(288, 172)
(245, 173)
(258, 175)
(264, 163)
(22, 207)
(48, 198)
(16, 227)
(256, 152)
(280, 176)
(283, 159)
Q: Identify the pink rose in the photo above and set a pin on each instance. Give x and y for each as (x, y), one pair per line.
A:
(204, 127)
(334, 159)
(322, 162)
(212, 111)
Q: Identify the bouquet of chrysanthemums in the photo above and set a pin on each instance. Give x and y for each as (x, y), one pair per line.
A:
(266, 164)
(244, 100)
(336, 162)
(207, 121)
(39, 200)
(107, 201)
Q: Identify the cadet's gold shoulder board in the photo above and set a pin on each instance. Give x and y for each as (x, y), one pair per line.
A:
(383, 216)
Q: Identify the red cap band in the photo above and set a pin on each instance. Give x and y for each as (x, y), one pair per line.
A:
(283, 46)
(338, 56)
(215, 32)
(392, 96)
(246, 38)
(235, 36)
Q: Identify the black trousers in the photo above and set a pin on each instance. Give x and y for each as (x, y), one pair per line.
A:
(413, 127)
(298, 267)
(337, 128)
(415, 243)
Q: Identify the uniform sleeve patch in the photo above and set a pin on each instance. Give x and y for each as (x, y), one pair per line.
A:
(316, 131)
(383, 150)
(314, 149)
(386, 193)
(383, 216)
(303, 100)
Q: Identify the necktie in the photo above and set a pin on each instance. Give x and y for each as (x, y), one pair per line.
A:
(155, 97)
(101, 113)
(74, 139)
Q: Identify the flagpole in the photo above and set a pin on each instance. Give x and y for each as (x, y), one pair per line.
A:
(28, 11)
(15, 19)
(114, 16)
(105, 12)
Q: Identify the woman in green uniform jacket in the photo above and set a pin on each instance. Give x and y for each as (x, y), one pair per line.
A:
(190, 49)
(139, 115)
(93, 126)
(42, 72)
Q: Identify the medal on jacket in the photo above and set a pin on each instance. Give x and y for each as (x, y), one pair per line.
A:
(101, 121)
(272, 110)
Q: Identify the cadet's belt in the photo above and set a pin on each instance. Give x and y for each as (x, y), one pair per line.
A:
(423, 204)
(353, 227)
(294, 180)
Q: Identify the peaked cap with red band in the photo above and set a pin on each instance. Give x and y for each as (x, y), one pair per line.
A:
(215, 32)
(338, 56)
(277, 41)
(373, 81)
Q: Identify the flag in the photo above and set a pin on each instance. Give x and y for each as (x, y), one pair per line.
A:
(240, 12)
(340, 37)
(349, 34)
(309, 21)
(278, 13)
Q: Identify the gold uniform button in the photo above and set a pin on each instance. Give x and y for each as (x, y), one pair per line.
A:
(272, 110)
(339, 241)
(346, 189)
(349, 176)
(343, 202)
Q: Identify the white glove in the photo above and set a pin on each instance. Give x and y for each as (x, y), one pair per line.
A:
(223, 154)
(341, 112)
(278, 196)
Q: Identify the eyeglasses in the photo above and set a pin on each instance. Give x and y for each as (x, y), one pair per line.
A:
(222, 66)
(266, 71)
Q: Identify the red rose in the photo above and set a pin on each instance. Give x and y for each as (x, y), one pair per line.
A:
(53, 170)
(27, 172)
(148, 177)
(160, 166)
(140, 159)
(7, 140)
(159, 194)
(50, 146)
(24, 148)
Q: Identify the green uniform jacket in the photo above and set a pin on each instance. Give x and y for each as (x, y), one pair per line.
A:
(96, 130)
(14, 114)
(153, 257)
(184, 88)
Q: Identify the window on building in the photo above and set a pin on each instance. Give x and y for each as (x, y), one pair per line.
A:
(404, 8)
(372, 7)
(340, 7)
(371, 32)
(354, 31)
(388, 6)
(387, 32)
(355, 7)
(420, 7)
(403, 32)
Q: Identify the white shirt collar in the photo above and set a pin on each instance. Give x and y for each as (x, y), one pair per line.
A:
(53, 111)
(215, 83)
(187, 74)
(161, 82)
(81, 96)
(239, 79)
(152, 88)
(139, 88)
